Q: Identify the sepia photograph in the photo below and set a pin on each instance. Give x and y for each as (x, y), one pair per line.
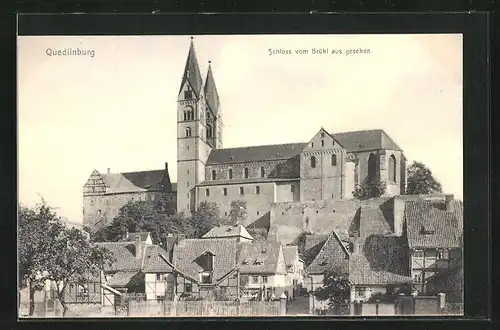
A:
(240, 175)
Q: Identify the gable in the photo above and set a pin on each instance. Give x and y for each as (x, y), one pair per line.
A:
(95, 184)
(322, 141)
(332, 256)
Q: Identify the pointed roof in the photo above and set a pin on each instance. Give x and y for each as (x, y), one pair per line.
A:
(192, 71)
(332, 255)
(227, 231)
(210, 90)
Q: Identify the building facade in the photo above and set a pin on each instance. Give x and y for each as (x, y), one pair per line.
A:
(327, 167)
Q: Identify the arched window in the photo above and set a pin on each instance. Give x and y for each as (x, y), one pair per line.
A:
(334, 160)
(185, 115)
(262, 172)
(246, 172)
(372, 167)
(214, 175)
(191, 114)
(392, 168)
(209, 131)
(230, 173)
(188, 131)
(313, 161)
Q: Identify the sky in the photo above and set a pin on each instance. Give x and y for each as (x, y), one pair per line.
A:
(117, 108)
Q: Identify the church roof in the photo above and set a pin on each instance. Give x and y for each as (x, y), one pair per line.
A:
(254, 154)
(366, 140)
(211, 94)
(192, 72)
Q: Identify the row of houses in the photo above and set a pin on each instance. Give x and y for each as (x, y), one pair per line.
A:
(227, 263)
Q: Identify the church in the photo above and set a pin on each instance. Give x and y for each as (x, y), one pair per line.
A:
(327, 167)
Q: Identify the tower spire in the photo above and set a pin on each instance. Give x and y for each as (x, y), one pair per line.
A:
(210, 90)
(192, 73)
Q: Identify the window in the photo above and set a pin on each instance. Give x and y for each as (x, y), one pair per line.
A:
(245, 278)
(313, 161)
(418, 254)
(372, 167)
(230, 173)
(188, 95)
(292, 188)
(361, 291)
(188, 287)
(312, 144)
(257, 190)
(392, 168)
(322, 134)
(257, 212)
(278, 170)
(224, 191)
(207, 192)
(262, 172)
(206, 277)
(158, 277)
(242, 191)
(188, 131)
(417, 278)
(322, 143)
(188, 172)
(246, 172)
(264, 279)
(214, 175)
(209, 131)
(334, 160)
(255, 279)
(443, 254)
(208, 114)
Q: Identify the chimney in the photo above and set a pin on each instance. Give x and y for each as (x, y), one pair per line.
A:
(125, 234)
(166, 165)
(109, 170)
(180, 237)
(138, 247)
(449, 203)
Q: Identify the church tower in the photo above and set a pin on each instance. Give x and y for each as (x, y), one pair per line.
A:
(193, 146)
(213, 121)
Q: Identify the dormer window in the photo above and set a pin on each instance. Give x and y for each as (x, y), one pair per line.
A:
(206, 277)
(426, 231)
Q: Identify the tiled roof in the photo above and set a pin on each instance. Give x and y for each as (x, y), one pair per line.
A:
(431, 227)
(333, 255)
(125, 258)
(291, 253)
(192, 72)
(365, 140)
(254, 154)
(187, 251)
(131, 236)
(260, 258)
(379, 260)
(120, 279)
(228, 231)
(309, 246)
(372, 221)
(155, 180)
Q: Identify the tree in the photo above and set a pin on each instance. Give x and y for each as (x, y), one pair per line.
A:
(143, 216)
(369, 190)
(37, 228)
(420, 180)
(205, 218)
(336, 289)
(74, 260)
(238, 212)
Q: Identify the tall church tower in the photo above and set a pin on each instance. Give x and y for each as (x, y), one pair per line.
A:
(198, 130)
(213, 121)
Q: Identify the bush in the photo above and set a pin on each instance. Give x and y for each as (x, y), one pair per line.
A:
(369, 190)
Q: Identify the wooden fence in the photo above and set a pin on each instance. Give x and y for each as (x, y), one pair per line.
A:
(204, 308)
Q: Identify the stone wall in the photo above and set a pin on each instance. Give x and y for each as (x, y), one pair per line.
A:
(286, 168)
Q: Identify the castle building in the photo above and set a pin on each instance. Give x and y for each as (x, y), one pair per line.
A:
(327, 167)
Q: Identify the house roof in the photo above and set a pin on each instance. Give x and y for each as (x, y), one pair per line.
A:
(131, 236)
(228, 231)
(125, 258)
(154, 180)
(254, 154)
(192, 71)
(365, 140)
(260, 258)
(309, 246)
(332, 254)
(431, 227)
(187, 252)
(379, 260)
(120, 279)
